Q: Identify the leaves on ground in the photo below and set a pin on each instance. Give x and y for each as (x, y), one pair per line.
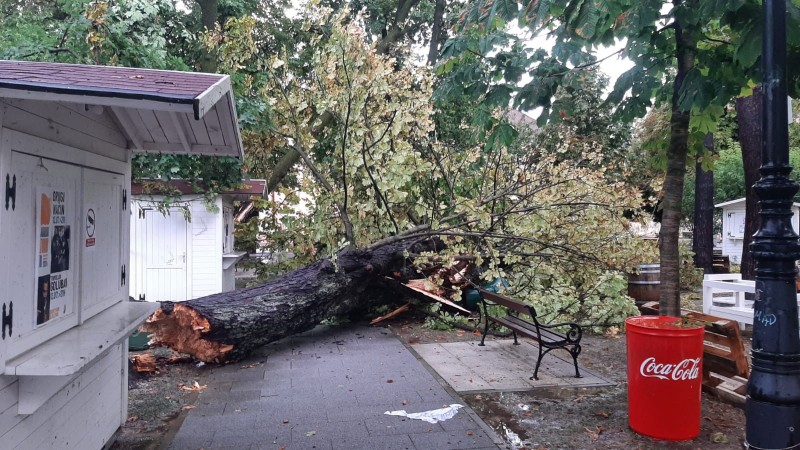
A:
(595, 433)
(194, 387)
(719, 438)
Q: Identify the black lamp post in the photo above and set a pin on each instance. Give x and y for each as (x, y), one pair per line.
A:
(773, 393)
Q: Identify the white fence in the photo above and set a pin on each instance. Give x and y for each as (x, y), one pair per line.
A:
(724, 296)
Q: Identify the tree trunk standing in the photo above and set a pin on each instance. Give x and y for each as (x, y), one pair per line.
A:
(748, 117)
(228, 326)
(395, 31)
(209, 9)
(703, 236)
(437, 32)
(669, 304)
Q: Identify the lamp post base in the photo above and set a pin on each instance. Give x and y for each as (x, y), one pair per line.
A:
(763, 419)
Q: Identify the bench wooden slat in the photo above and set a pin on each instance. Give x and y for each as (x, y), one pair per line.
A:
(717, 351)
(528, 329)
(716, 338)
(505, 302)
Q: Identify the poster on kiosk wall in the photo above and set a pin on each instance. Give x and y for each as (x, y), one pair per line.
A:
(53, 271)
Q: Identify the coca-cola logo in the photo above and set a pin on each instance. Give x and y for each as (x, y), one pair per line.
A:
(688, 369)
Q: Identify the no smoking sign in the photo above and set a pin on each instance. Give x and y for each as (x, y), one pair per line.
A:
(90, 227)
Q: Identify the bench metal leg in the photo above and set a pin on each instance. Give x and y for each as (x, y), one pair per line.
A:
(514, 333)
(538, 363)
(575, 352)
(485, 331)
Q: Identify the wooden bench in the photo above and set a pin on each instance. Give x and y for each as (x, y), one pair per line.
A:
(547, 336)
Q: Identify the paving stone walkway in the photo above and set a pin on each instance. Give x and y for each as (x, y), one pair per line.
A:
(328, 389)
(502, 366)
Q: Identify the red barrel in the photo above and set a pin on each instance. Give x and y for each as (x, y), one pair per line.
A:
(664, 377)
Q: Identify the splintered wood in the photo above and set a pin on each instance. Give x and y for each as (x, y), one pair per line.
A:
(423, 287)
(144, 363)
(397, 311)
(183, 330)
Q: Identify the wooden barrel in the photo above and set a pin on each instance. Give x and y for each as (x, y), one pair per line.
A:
(645, 285)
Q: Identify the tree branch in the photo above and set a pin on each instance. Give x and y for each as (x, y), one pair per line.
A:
(288, 160)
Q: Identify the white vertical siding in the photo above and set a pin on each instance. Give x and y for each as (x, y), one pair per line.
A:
(204, 241)
(83, 415)
(733, 246)
(731, 240)
(206, 249)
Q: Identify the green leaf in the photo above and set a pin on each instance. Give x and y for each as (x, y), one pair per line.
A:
(748, 48)
(505, 9)
(586, 25)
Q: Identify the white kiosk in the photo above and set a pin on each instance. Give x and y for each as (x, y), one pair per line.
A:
(66, 137)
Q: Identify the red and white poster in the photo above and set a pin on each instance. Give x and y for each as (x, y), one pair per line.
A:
(53, 248)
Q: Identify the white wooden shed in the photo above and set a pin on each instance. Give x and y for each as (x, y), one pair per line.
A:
(181, 256)
(733, 227)
(66, 137)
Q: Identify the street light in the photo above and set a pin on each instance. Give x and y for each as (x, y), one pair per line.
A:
(773, 392)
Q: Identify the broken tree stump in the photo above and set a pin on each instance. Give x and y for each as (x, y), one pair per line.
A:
(228, 326)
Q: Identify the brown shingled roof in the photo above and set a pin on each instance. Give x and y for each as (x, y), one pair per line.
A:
(114, 81)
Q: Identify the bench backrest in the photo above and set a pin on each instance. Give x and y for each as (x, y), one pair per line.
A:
(507, 302)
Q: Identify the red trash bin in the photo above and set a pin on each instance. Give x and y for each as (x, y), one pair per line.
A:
(665, 361)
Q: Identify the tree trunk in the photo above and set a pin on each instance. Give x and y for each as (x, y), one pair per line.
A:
(703, 236)
(209, 9)
(669, 304)
(748, 116)
(437, 32)
(228, 326)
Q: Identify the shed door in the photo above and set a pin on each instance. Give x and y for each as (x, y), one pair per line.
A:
(736, 224)
(164, 254)
(37, 241)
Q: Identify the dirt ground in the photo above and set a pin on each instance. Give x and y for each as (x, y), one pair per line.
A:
(593, 418)
(589, 418)
(158, 402)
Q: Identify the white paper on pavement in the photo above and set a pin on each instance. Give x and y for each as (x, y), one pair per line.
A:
(433, 416)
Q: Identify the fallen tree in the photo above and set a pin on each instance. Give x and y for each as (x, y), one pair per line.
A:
(387, 198)
(229, 325)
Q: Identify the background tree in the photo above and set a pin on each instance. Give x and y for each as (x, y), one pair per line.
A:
(680, 60)
(748, 118)
(703, 230)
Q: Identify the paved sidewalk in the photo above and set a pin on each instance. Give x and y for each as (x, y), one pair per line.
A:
(328, 389)
(502, 366)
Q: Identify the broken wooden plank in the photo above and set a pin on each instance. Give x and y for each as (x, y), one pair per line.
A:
(436, 297)
(397, 311)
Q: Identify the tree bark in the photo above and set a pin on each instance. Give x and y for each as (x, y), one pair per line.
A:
(748, 117)
(669, 304)
(228, 326)
(703, 236)
(395, 31)
(437, 32)
(209, 10)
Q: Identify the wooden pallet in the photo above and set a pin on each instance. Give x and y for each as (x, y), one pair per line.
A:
(725, 366)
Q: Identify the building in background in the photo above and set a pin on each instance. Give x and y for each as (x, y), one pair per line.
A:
(733, 227)
(186, 251)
